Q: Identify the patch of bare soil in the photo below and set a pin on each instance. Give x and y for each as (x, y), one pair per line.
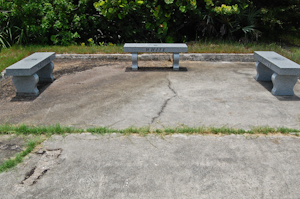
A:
(9, 146)
(61, 67)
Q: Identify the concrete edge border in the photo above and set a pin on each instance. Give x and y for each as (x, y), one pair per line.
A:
(219, 57)
(3, 75)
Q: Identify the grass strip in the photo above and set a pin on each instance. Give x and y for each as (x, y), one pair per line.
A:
(11, 55)
(57, 129)
(183, 129)
(38, 130)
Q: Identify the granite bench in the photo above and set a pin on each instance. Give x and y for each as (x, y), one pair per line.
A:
(283, 72)
(29, 71)
(135, 48)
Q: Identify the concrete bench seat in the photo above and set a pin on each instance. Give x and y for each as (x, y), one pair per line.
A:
(29, 71)
(283, 72)
(135, 48)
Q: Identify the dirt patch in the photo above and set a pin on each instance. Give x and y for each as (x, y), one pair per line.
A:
(9, 146)
(69, 66)
(61, 67)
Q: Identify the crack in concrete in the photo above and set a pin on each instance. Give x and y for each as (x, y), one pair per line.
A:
(166, 101)
(47, 161)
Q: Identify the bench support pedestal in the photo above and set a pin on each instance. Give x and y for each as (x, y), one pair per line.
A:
(175, 61)
(263, 72)
(283, 84)
(26, 85)
(45, 74)
(134, 61)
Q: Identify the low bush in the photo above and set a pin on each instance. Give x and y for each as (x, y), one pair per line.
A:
(98, 22)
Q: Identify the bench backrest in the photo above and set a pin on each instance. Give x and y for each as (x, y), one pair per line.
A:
(31, 64)
(276, 62)
(155, 47)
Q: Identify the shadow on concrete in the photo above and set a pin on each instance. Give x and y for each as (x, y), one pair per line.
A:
(151, 69)
(288, 98)
(269, 85)
(41, 86)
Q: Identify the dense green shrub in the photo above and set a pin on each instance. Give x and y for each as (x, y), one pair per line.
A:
(61, 22)
(279, 16)
(65, 22)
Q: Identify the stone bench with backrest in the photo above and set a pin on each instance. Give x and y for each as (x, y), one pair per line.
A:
(283, 72)
(136, 48)
(29, 71)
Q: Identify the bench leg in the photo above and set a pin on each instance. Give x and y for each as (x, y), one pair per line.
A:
(26, 85)
(283, 84)
(134, 61)
(263, 72)
(175, 61)
(45, 74)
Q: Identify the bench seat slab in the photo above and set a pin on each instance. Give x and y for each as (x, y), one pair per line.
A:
(283, 84)
(31, 64)
(26, 85)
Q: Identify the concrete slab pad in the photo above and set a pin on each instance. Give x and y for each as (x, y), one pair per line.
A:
(113, 166)
(204, 93)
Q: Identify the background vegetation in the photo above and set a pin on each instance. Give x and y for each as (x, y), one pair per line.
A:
(99, 22)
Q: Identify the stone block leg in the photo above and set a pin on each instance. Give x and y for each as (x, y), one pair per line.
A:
(175, 61)
(283, 84)
(45, 73)
(26, 85)
(134, 61)
(263, 72)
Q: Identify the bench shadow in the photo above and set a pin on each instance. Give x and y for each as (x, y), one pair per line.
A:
(269, 85)
(156, 69)
(41, 86)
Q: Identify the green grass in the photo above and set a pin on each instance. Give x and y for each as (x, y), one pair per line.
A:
(16, 53)
(11, 55)
(40, 133)
(60, 130)
(38, 130)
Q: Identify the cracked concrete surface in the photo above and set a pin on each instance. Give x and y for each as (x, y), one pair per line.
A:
(206, 93)
(47, 162)
(165, 102)
(178, 166)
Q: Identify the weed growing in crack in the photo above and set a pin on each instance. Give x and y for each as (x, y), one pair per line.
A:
(101, 130)
(286, 130)
(143, 131)
(158, 131)
(263, 130)
(170, 131)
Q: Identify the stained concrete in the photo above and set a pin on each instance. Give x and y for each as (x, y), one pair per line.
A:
(178, 166)
(114, 166)
(201, 93)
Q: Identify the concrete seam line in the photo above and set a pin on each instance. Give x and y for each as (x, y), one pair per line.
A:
(230, 57)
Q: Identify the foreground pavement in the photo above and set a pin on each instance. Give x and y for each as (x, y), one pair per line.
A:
(113, 166)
